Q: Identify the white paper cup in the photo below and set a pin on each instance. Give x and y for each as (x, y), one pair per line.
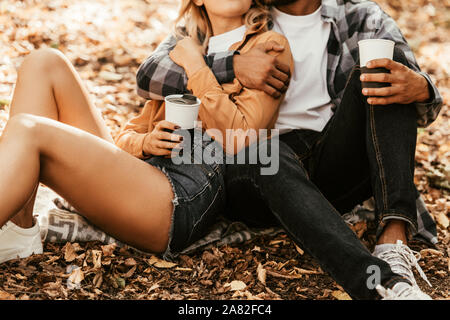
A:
(372, 49)
(184, 115)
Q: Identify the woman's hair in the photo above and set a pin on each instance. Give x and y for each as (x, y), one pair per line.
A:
(193, 21)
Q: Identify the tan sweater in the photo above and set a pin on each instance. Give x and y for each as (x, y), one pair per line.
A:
(226, 106)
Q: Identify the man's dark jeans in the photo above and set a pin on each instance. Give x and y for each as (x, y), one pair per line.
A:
(364, 150)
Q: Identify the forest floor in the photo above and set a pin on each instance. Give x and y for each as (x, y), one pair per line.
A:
(106, 40)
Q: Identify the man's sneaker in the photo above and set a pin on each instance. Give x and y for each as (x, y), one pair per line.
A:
(402, 291)
(16, 242)
(401, 260)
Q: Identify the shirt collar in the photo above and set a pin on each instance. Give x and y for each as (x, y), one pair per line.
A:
(248, 34)
(330, 10)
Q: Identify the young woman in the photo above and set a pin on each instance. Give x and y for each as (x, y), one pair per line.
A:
(57, 137)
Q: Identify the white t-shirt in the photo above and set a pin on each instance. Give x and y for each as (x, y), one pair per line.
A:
(307, 104)
(222, 42)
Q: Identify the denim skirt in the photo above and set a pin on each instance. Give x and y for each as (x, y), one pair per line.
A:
(199, 192)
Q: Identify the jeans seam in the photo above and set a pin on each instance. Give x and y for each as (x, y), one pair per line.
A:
(204, 212)
(381, 173)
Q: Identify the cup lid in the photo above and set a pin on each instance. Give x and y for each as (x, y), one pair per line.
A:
(376, 40)
(185, 99)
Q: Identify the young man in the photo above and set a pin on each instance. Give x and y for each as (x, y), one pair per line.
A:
(338, 144)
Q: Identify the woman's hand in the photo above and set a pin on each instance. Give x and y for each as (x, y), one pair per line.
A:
(160, 142)
(188, 54)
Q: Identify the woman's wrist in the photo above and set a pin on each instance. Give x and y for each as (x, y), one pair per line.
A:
(145, 154)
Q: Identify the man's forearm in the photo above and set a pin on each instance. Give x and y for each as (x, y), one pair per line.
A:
(159, 76)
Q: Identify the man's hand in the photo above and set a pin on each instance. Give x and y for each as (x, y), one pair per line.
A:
(257, 69)
(188, 54)
(407, 86)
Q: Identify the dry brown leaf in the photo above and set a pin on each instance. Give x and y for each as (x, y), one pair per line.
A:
(236, 285)
(110, 76)
(262, 274)
(159, 263)
(130, 272)
(183, 269)
(98, 280)
(442, 220)
(6, 296)
(76, 276)
(429, 251)
(305, 271)
(130, 262)
(283, 276)
(109, 249)
(69, 252)
(341, 295)
(299, 250)
(97, 258)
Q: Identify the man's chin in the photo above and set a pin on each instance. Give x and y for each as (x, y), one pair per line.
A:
(277, 2)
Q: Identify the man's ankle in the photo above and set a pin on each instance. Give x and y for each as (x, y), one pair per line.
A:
(393, 231)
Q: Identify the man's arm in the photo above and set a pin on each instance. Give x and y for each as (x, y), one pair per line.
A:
(405, 84)
(159, 76)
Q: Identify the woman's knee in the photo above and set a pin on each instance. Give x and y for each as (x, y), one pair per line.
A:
(24, 126)
(46, 61)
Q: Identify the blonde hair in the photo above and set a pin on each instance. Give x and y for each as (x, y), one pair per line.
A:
(193, 21)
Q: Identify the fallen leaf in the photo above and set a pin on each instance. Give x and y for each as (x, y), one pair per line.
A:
(6, 296)
(110, 76)
(429, 251)
(76, 276)
(159, 263)
(340, 295)
(283, 276)
(130, 262)
(130, 272)
(69, 252)
(299, 250)
(97, 259)
(262, 274)
(236, 285)
(109, 249)
(183, 269)
(120, 282)
(442, 220)
(305, 271)
(98, 280)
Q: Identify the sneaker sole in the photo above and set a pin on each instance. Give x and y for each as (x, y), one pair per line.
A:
(22, 254)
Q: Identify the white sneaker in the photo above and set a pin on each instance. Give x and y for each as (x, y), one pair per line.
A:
(17, 242)
(402, 291)
(401, 259)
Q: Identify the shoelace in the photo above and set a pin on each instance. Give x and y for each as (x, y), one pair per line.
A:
(401, 259)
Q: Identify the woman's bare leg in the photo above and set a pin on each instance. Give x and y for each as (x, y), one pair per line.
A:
(119, 193)
(48, 86)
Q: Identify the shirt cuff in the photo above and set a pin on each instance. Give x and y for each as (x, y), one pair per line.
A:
(221, 64)
(425, 109)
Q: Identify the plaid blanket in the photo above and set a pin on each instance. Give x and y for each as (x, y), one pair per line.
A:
(60, 223)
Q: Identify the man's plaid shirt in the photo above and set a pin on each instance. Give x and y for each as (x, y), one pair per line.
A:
(350, 21)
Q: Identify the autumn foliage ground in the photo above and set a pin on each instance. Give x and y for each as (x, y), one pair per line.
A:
(106, 40)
